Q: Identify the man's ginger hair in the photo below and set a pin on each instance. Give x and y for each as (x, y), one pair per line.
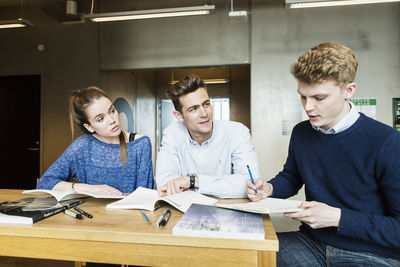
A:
(326, 62)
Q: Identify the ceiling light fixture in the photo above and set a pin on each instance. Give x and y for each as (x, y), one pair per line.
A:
(16, 23)
(208, 81)
(215, 81)
(325, 3)
(151, 13)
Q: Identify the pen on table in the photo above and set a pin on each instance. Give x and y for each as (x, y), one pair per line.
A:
(145, 217)
(251, 176)
(73, 214)
(163, 218)
(83, 212)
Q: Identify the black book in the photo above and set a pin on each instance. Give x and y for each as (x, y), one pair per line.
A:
(30, 210)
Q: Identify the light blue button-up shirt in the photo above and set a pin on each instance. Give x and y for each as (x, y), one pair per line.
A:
(220, 162)
(344, 123)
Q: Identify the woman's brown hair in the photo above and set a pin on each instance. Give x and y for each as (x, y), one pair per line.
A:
(79, 101)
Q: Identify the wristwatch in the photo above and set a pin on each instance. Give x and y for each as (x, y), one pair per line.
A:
(192, 177)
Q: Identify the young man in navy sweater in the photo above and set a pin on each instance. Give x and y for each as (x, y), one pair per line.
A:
(350, 167)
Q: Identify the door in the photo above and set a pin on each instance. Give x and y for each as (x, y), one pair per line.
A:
(20, 131)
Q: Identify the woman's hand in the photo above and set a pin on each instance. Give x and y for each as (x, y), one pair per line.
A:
(100, 189)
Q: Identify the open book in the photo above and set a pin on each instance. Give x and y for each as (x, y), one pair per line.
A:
(69, 194)
(148, 199)
(211, 221)
(266, 206)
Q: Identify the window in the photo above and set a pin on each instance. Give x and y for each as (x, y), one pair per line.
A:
(221, 109)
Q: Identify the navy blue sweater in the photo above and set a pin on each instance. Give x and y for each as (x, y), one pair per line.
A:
(358, 171)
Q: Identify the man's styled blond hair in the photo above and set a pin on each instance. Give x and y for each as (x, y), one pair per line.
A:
(326, 61)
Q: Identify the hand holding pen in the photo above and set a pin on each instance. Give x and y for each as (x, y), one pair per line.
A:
(264, 189)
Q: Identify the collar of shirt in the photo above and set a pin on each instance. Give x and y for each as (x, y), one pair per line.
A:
(344, 123)
(205, 142)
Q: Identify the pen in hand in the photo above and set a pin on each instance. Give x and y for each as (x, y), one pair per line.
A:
(145, 217)
(251, 176)
(163, 218)
(83, 212)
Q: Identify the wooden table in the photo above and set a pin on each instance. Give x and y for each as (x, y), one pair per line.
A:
(123, 237)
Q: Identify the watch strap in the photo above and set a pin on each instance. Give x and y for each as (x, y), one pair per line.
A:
(192, 180)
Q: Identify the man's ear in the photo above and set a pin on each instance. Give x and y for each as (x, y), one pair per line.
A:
(350, 89)
(178, 116)
(88, 127)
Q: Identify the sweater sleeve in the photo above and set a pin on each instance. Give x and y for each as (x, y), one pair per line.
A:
(382, 229)
(288, 182)
(145, 167)
(62, 169)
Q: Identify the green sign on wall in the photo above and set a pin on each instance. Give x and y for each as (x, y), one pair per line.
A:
(366, 106)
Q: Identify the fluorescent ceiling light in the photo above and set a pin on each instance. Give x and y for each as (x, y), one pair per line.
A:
(208, 81)
(324, 3)
(215, 81)
(16, 23)
(151, 13)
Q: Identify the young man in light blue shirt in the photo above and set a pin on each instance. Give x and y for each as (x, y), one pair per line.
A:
(199, 153)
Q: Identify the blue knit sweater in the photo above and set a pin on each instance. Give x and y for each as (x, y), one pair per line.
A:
(358, 171)
(96, 162)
